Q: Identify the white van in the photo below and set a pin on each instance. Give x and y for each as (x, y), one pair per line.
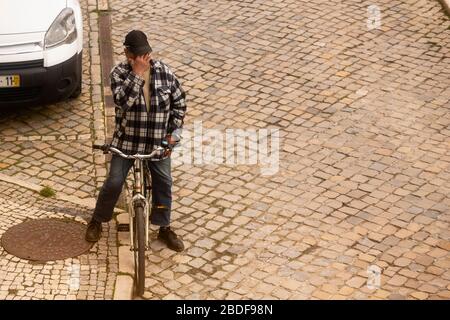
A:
(41, 44)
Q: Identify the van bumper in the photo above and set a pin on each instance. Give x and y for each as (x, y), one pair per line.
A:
(39, 84)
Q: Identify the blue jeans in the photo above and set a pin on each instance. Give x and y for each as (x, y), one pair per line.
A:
(161, 190)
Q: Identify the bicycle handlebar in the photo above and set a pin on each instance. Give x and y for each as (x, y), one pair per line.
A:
(107, 148)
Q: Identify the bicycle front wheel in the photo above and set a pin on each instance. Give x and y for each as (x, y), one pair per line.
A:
(139, 250)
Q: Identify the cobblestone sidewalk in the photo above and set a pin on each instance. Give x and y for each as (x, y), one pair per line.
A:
(51, 145)
(21, 279)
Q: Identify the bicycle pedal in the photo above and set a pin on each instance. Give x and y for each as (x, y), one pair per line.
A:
(123, 227)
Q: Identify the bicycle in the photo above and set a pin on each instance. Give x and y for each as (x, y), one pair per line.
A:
(140, 208)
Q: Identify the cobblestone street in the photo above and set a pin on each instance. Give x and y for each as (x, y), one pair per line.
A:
(364, 162)
(51, 145)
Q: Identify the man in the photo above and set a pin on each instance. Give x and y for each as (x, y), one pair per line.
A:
(150, 107)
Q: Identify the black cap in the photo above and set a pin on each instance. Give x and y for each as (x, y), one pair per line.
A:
(136, 42)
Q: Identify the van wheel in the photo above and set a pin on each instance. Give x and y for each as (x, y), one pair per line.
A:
(77, 91)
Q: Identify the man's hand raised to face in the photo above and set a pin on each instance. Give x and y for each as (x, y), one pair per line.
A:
(141, 64)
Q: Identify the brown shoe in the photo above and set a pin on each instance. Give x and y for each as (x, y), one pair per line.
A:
(94, 231)
(169, 237)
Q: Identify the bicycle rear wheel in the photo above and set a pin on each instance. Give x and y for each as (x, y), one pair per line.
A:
(139, 250)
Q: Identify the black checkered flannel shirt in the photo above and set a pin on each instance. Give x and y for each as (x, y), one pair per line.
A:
(138, 130)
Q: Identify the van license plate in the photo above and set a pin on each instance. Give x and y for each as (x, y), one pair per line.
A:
(11, 81)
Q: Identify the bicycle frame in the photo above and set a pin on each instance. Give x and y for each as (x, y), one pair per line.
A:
(138, 198)
(138, 186)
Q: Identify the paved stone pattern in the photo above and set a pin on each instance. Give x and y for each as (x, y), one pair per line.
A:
(89, 276)
(51, 145)
(364, 166)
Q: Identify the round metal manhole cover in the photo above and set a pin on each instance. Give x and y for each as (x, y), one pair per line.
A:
(46, 240)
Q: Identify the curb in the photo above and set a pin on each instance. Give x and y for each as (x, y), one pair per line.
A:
(87, 202)
(123, 289)
(125, 280)
(106, 65)
(446, 6)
